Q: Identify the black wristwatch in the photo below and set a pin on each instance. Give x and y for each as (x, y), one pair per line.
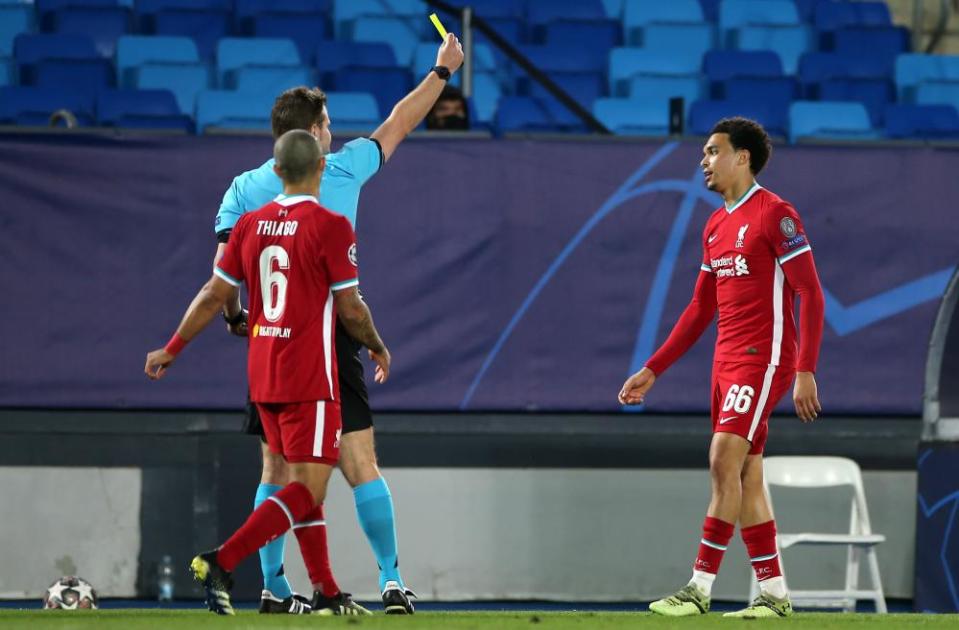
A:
(236, 319)
(442, 72)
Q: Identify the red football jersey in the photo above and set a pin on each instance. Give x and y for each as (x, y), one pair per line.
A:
(744, 247)
(292, 254)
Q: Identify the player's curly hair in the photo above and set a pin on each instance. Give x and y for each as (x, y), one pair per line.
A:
(297, 108)
(749, 135)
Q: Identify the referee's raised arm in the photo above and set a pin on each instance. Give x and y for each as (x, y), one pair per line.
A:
(412, 108)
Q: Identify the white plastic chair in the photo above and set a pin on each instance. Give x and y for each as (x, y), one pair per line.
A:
(826, 472)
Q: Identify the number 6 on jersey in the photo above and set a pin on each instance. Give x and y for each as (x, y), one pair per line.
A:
(739, 399)
(273, 310)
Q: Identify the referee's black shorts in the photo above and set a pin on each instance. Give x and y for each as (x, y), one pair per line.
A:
(354, 400)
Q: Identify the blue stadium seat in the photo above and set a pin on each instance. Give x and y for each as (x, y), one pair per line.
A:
(46, 8)
(104, 25)
(777, 92)
(931, 122)
(204, 26)
(495, 8)
(914, 68)
(387, 85)
(137, 109)
(521, 113)
(353, 111)
(246, 11)
(334, 55)
(831, 15)
(486, 95)
(625, 63)
(305, 29)
(658, 90)
(540, 12)
(705, 114)
(233, 110)
(83, 76)
(14, 19)
(874, 94)
(816, 67)
(563, 119)
(151, 7)
(399, 33)
(789, 42)
(881, 43)
(696, 39)
(584, 87)
(807, 10)
(32, 106)
(233, 53)
(186, 81)
(347, 12)
(720, 65)
(938, 93)
(641, 14)
(735, 14)
(829, 120)
(511, 29)
(630, 117)
(613, 8)
(562, 58)
(28, 49)
(7, 72)
(598, 34)
(273, 79)
(136, 50)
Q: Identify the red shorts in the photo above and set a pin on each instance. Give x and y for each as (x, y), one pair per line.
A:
(303, 431)
(743, 397)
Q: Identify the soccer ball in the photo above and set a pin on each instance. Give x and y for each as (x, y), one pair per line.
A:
(71, 593)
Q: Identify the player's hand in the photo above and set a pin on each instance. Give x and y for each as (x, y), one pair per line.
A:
(157, 363)
(450, 53)
(241, 328)
(635, 388)
(382, 360)
(806, 397)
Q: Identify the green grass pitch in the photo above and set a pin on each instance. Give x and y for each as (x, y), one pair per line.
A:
(132, 619)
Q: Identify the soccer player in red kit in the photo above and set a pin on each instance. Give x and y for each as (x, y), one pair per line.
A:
(756, 261)
(298, 261)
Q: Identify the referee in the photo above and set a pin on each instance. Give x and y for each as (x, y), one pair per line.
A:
(345, 173)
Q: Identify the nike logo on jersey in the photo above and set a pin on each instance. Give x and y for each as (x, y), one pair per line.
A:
(711, 239)
(729, 419)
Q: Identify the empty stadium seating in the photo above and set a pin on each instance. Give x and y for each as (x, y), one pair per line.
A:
(622, 59)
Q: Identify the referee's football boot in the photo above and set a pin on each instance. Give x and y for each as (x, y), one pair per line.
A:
(764, 606)
(686, 602)
(340, 604)
(216, 581)
(295, 604)
(396, 599)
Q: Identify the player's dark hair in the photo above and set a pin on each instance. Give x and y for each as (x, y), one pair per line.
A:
(749, 135)
(297, 154)
(297, 108)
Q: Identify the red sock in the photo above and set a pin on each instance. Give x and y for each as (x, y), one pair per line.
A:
(761, 545)
(716, 535)
(274, 516)
(311, 533)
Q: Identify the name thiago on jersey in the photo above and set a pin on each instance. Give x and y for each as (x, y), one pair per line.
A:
(276, 228)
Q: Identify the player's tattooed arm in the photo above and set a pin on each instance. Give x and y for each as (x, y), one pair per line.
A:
(358, 321)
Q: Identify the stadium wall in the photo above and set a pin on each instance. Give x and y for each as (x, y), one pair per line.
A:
(469, 250)
(570, 508)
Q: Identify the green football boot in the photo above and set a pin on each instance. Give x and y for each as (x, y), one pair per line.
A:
(764, 606)
(687, 601)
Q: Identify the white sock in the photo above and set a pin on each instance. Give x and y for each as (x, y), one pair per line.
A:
(775, 586)
(704, 581)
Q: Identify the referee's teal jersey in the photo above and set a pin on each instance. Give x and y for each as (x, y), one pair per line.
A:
(345, 173)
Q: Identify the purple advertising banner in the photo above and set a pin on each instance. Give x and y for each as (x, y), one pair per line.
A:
(504, 275)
